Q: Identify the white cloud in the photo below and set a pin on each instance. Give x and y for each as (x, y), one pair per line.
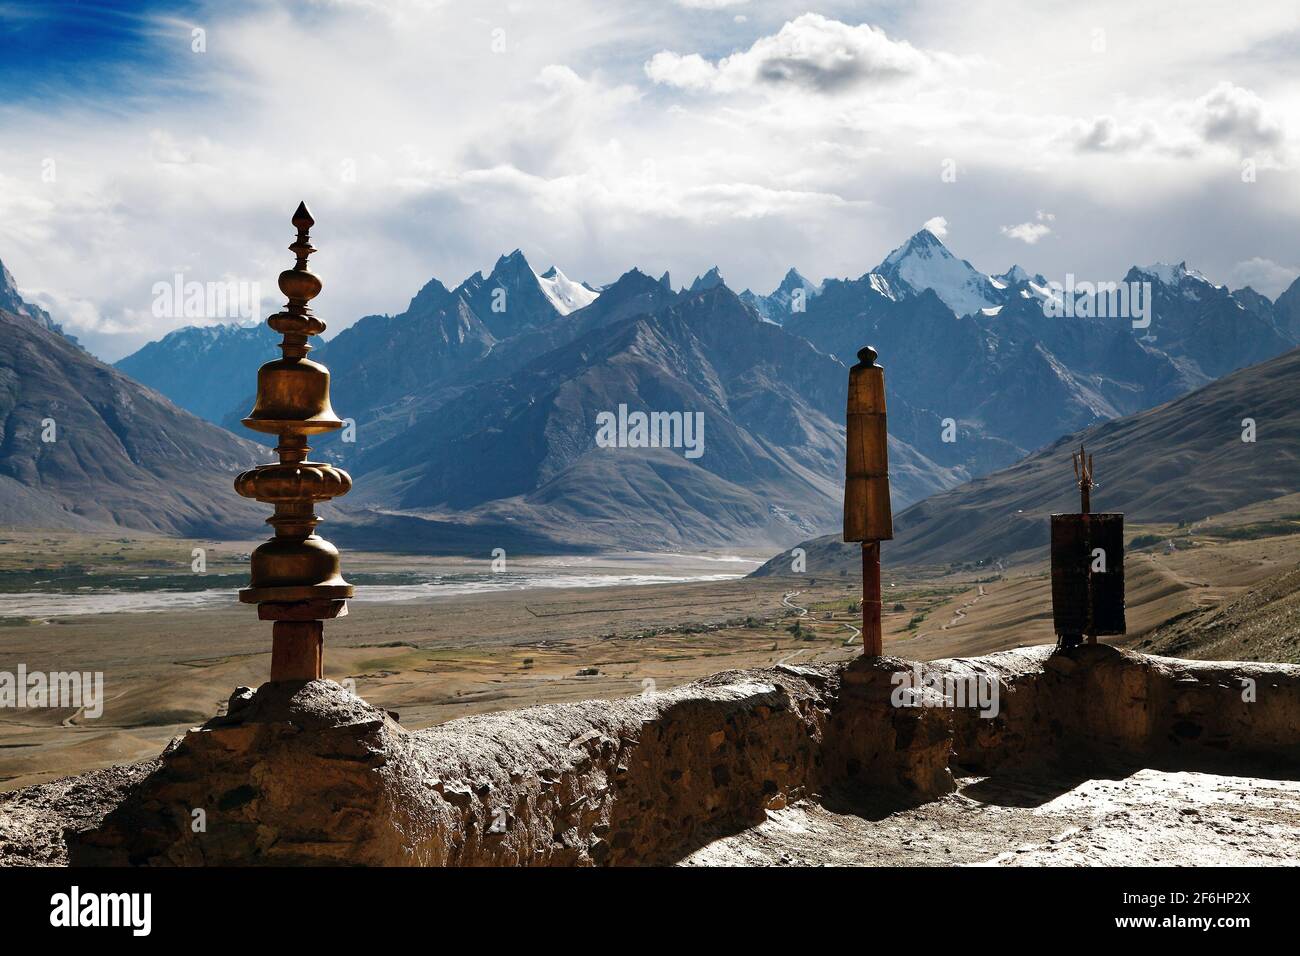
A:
(938, 225)
(1238, 118)
(1027, 232)
(1030, 232)
(689, 72)
(1227, 117)
(1263, 275)
(809, 53)
(1105, 134)
(73, 312)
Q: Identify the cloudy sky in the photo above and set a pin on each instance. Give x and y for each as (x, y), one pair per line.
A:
(430, 136)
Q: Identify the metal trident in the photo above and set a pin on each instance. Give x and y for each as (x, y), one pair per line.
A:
(1083, 472)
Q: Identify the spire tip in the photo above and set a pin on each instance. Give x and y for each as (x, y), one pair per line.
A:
(302, 218)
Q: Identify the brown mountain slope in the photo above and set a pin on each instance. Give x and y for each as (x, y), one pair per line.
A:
(122, 455)
(1258, 626)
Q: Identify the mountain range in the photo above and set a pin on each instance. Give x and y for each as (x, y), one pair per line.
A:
(477, 407)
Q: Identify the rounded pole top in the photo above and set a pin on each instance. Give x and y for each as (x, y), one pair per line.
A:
(867, 356)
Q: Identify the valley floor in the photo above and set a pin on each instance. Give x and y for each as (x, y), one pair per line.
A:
(431, 661)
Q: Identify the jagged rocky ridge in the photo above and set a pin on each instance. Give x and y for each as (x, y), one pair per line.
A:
(11, 301)
(476, 407)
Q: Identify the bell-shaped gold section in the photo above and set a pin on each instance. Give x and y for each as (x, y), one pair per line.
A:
(293, 395)
(296, 569)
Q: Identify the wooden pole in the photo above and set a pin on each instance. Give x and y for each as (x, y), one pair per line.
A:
(867, 514)
(872, 638)
(296, 650)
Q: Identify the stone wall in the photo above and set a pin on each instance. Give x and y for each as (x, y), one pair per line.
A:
(301, 774)
(310, 774)
(1096, 703)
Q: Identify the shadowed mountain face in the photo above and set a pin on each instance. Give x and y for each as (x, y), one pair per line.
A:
(525, 446)
(205, 366)
(382, 358)
(377, 360)
(387, 370)
(510, 299)
(785, 300)
(634, 294)
(120, 454)
(1184, 460)
(1195, 320)
(1287, 310)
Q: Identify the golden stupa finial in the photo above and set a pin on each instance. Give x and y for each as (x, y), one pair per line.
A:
(295, 575)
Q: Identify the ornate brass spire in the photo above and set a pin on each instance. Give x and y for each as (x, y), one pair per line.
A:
(295, 577)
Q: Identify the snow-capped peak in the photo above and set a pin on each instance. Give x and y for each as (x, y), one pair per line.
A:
(923, 243)
(794, 280)
(924, 262)
(1169, 274)
(565, 294)
(1012, 276)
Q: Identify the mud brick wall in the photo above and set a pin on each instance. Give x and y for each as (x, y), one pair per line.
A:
(311, 774)
(1099, 703)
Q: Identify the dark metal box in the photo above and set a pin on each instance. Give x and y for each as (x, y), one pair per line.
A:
(1085, 601)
